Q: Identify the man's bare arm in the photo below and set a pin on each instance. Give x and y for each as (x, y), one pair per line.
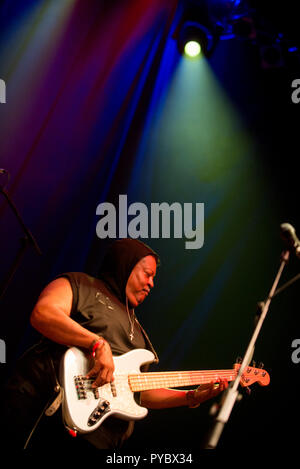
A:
(51, 317)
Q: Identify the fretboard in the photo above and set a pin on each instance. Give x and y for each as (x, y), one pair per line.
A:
(172, 379)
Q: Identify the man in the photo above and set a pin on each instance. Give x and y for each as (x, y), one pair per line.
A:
(97, 315)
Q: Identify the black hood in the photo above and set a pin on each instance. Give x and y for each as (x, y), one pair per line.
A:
(119, 260)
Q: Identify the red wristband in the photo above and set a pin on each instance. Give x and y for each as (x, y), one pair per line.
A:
(95, 344)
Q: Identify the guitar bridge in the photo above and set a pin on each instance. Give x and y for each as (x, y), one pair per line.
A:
(80, 384)
(83, 385)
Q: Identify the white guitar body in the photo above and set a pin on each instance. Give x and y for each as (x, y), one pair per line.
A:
(85, 408)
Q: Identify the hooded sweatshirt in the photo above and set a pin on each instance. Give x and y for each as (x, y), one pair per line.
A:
(99, 304)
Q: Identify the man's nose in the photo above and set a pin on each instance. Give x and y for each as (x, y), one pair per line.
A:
(151, 282)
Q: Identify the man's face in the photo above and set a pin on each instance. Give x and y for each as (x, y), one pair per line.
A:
(141, 280)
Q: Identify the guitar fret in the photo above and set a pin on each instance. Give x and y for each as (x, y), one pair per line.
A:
(140, 382)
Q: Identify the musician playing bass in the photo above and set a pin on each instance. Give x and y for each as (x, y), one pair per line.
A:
(96, 315)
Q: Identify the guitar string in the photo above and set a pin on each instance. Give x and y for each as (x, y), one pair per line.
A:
(183, 378)
(179, 375)
(162, 376)
(140, 380)
(190, 373)
(178, 379)
(136, 386)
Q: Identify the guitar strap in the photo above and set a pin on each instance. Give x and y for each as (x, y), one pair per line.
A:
(51, 405)
(58, 389)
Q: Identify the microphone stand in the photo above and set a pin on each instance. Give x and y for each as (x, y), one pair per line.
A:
(232, 390)
(25, 241)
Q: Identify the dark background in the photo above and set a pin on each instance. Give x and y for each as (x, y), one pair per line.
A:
(82, 126)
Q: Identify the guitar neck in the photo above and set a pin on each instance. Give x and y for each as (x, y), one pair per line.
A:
(172, 379)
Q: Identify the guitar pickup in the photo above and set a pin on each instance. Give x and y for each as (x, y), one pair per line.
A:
(102, 408)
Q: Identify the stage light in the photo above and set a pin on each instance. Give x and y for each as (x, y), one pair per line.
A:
(195, 40)
(192, 49)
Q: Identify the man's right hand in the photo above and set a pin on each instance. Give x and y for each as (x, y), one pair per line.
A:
(104, 366)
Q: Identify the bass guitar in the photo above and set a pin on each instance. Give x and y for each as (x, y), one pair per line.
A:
(85, 408)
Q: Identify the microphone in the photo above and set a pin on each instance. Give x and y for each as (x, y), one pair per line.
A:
(288, 233)
(3, 171)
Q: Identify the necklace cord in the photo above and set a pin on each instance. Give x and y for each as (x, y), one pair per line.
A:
(131, 321)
